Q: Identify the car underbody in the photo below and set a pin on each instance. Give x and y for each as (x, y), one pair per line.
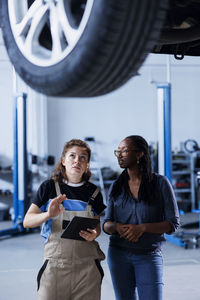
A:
(88, 48)
(180, 34)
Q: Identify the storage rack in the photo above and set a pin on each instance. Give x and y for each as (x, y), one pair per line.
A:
(182, 180)
(188, 166)
(5, 192)
(184, 172)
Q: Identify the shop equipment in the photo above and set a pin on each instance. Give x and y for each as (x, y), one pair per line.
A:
(20, 167)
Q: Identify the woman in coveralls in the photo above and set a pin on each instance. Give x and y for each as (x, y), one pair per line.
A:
(71, 268)
(141, 208)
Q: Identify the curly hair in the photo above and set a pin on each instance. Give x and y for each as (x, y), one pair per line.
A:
(146, 191)
(59, 172)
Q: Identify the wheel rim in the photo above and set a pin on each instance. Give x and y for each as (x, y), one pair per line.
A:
(46, 31)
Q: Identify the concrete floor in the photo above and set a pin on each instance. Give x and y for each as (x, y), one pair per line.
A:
(21, 258)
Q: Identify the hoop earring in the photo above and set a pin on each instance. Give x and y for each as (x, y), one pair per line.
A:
(138, 161)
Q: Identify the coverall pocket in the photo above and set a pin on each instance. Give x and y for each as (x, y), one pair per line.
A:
(101, 255)
(41, 271)
(99, 267)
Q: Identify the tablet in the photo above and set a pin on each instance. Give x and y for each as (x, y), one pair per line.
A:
(76, 225)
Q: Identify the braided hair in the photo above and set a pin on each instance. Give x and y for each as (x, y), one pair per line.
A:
(147, 190)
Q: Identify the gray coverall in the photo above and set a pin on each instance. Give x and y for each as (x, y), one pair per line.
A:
(71, 269)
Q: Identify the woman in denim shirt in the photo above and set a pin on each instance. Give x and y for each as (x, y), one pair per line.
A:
(141, 208)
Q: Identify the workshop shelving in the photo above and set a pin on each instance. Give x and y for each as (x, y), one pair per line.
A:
(184, 169)
(5, 192)
(182, 180)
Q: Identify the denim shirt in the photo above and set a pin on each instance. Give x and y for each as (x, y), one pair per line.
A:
(127, 210)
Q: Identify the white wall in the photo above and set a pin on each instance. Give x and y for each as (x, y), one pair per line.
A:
(108, 118)
(132, 109)
(10, 85)
(185, 80)
(6, 110)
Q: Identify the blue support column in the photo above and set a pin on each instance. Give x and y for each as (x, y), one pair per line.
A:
(15, 165)
(164, 128)
(164, 143)
(167, 127)
(20, 167)
(20, 171)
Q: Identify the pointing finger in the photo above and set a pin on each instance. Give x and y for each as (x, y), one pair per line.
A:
(61, 197)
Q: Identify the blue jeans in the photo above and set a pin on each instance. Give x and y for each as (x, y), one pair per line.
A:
(135, 275)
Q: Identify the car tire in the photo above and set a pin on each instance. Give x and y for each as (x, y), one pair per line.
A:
(114, 42)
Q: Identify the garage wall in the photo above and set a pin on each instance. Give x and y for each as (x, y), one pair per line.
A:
(108, 118)
(130, 110)
(36, 115)
(6, 110)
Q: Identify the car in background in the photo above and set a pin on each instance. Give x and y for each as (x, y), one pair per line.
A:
(88, 48)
